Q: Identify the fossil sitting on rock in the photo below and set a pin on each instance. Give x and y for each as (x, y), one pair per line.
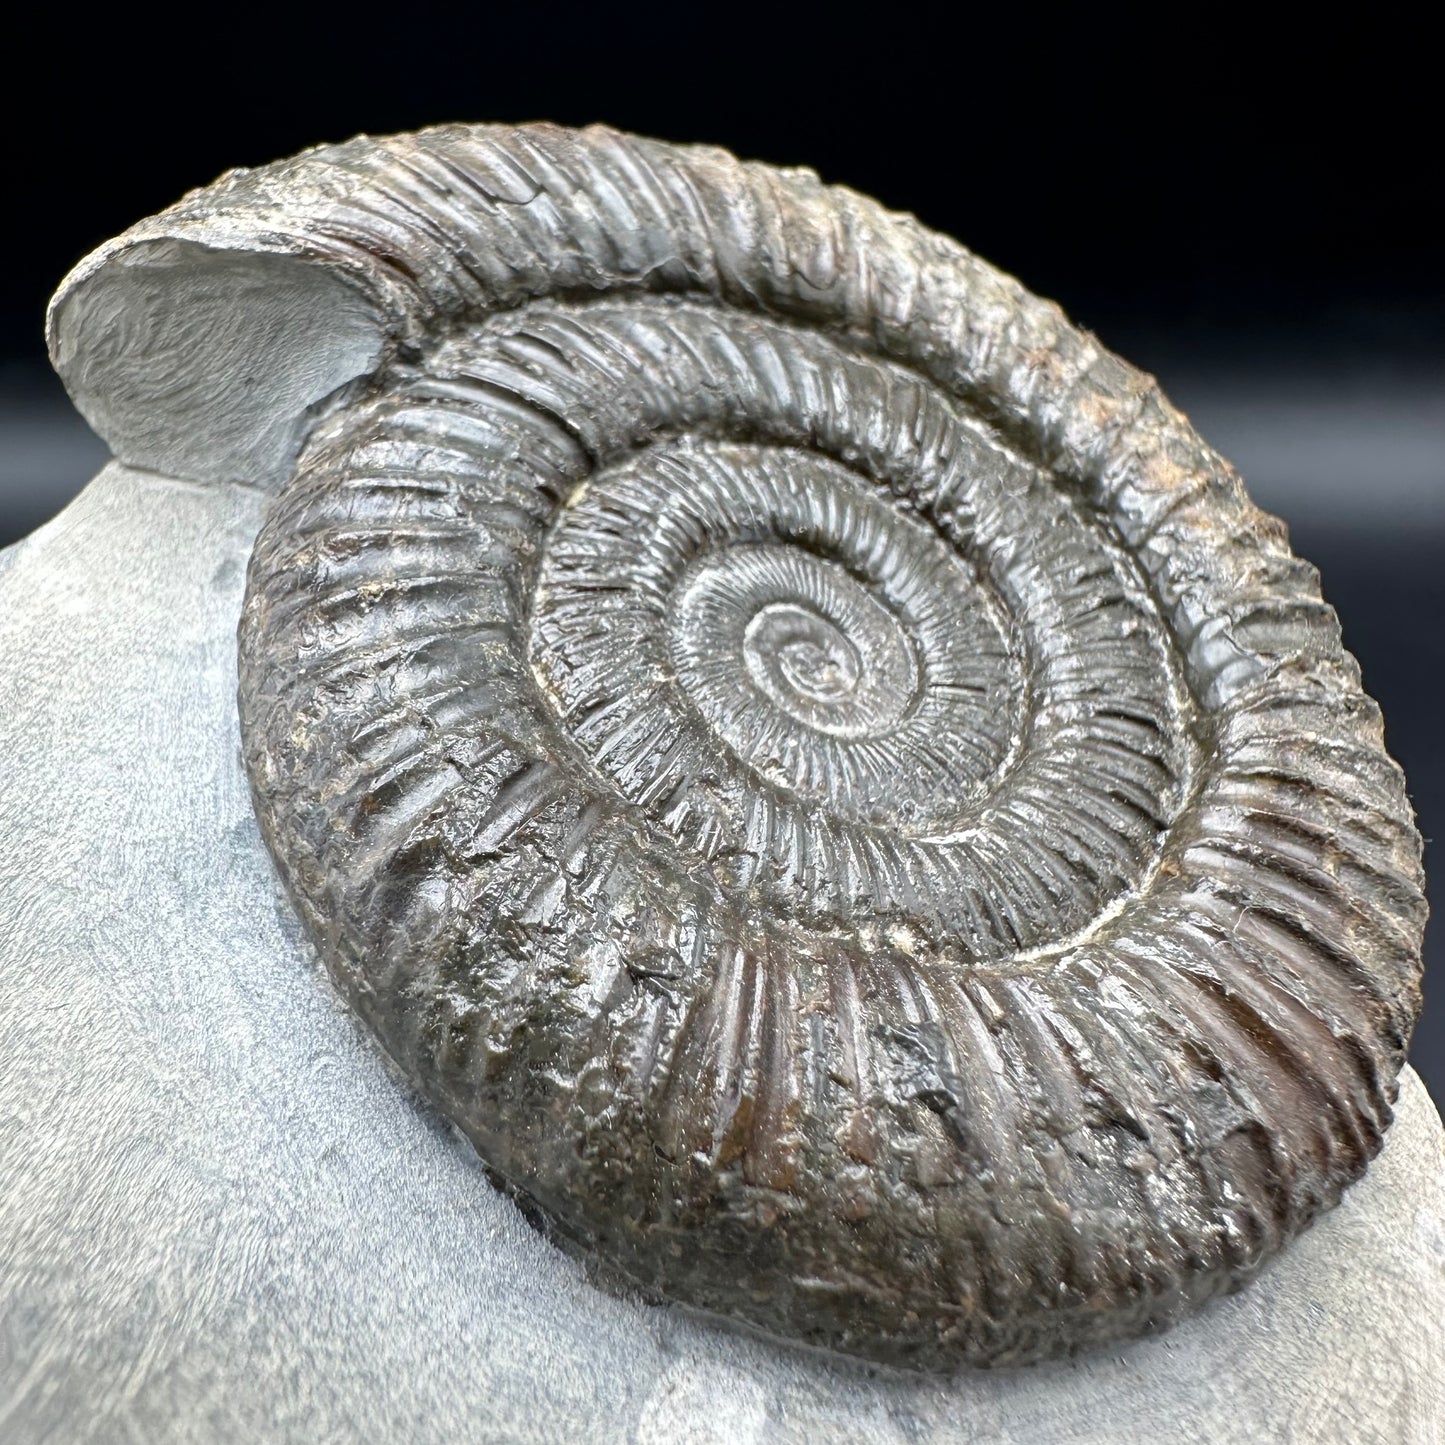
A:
(803, 756)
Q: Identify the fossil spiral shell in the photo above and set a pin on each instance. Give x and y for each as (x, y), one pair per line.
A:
(808, 760)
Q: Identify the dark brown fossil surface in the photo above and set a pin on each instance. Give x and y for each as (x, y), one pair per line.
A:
(806, 758)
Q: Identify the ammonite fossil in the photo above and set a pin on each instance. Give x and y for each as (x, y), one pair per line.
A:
(802, 755)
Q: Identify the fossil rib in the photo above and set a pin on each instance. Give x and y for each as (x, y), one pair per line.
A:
(802, 755)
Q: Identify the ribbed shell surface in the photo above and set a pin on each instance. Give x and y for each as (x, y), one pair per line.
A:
(807, 759)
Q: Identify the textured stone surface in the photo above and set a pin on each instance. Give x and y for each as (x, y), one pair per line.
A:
(221, 1220)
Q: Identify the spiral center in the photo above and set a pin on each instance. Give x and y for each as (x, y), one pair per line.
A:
(814, 642)
(796, 647)
(731, 629)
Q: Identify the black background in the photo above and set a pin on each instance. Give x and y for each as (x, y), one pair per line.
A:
(1164, 177)
(1246, 212)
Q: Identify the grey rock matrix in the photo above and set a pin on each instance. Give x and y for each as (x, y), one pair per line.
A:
(222, 1221)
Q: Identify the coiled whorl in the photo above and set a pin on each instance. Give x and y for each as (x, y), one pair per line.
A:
(806, 758)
